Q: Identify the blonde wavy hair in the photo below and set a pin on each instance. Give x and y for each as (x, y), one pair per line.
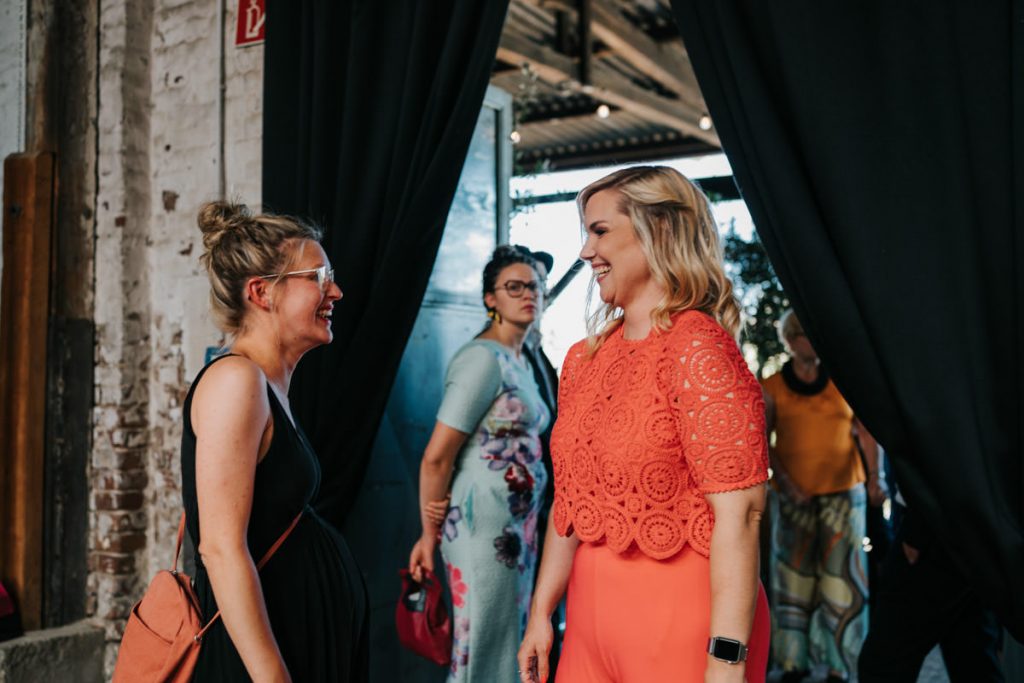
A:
(672, 219)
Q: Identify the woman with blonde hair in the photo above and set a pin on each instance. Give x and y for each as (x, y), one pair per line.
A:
(659, 456)
(248, 471)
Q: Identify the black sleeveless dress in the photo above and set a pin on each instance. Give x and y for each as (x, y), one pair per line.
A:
(314, 593)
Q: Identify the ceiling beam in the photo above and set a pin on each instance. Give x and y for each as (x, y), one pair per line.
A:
(567, 119)
(586, 40)
(663, 63)
(607, 86)
(666, 63)
(618, 155)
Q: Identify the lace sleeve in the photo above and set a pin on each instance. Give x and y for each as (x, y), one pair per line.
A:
(722, 417)
(569, 365)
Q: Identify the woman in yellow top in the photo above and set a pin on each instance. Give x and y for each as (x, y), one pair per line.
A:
(818, 568)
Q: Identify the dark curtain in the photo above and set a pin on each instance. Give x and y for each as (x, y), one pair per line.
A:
(369, 107)
(880, 148)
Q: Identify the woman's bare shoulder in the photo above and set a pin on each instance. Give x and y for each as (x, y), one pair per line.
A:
(231, 385)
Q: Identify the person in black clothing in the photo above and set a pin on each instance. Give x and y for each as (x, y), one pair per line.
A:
(924, 601)
(546, 376)
(547, 380)
(248, 470)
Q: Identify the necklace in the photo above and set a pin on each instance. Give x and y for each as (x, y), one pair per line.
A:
(798, 386)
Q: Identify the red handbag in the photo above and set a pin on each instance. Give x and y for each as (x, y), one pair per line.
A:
(422, 620)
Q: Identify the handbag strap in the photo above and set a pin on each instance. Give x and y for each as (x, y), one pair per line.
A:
(259, 565)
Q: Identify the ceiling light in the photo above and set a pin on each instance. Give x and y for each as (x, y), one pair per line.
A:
(603, 111)
(704, 123)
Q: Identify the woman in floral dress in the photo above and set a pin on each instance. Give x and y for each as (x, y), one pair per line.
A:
(486, 445)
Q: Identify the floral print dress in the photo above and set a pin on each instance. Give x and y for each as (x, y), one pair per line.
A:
(489, 538)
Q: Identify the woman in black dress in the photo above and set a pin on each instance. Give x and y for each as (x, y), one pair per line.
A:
(248, 470)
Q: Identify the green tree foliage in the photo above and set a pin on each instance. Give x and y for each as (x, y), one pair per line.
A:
(761, 298)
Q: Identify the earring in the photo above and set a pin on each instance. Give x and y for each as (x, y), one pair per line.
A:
(493, 314)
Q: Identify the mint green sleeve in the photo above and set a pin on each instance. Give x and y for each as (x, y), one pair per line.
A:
(471, 384)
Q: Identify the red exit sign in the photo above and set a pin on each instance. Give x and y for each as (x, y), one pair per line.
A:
(252, 22)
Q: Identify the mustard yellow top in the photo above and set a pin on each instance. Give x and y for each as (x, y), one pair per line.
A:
(814, 435)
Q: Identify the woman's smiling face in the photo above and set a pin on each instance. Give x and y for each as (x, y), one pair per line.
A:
(613, 250)
(303, 307)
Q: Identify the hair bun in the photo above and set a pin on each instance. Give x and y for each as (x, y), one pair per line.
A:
(216, 219)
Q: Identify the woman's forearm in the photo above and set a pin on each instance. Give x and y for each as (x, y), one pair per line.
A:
(872, 456)
(734, 579)
(735, 570)
(868, 446)
(436, 471)
(555, 567)
(239, 595)
(434, 481)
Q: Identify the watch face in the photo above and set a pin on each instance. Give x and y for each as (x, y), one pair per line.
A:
(727, 649)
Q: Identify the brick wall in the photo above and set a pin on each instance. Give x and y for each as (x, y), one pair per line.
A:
(158, 160)
(117, 474)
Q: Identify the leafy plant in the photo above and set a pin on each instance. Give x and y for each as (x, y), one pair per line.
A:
(761, 297)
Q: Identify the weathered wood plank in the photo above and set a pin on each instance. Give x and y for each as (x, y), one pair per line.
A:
(24, 307)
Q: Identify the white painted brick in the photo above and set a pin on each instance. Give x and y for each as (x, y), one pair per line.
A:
(159, 84)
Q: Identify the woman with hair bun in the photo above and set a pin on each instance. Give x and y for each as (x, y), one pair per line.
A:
(659, 454)
(486, 445)
(248, 470)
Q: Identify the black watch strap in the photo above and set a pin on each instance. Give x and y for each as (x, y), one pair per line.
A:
(727, 650)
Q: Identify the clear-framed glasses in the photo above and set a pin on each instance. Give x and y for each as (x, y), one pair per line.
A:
(324, 276)
(515, 288)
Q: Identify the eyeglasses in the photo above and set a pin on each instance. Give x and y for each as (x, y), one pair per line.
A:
(515, 288)
(324, 276)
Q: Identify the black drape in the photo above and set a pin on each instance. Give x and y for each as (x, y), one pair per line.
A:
(880, 148)
(369, 107)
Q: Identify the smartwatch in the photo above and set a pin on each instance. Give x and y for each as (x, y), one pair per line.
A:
(727, 650)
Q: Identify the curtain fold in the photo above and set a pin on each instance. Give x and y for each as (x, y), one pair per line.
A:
(369, 107)
(880, 148)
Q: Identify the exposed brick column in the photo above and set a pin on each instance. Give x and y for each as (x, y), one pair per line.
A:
(118, 465)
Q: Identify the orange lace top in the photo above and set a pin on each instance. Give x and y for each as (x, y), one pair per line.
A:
(646, 428)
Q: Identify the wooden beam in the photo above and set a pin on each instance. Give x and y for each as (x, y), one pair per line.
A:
(24, 309)
(666, 62)
(586, 40)
(663, 63)
(608, 86)
(525, 127)
(620, 155)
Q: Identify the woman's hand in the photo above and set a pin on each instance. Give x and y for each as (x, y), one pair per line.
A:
(534, 650)
(877, 490)
(723, 672)
(437, 510)
(911, 553)
(422, 557)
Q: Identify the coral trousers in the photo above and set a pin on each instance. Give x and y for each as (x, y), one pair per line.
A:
(634, 619)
